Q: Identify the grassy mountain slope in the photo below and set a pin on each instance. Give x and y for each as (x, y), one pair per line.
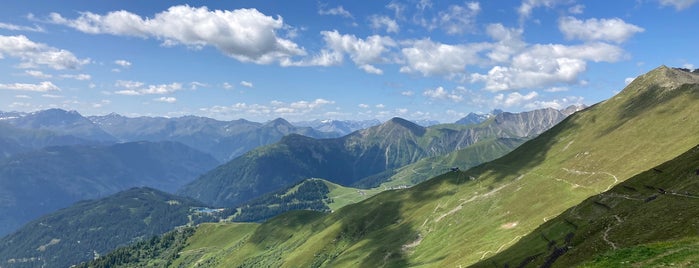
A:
(461, 218)
(658, 205)
(38, 182)
(92, 228)
(363, 155)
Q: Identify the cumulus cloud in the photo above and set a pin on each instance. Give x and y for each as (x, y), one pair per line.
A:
(123, 63)
(678, 4)
(298, 109)
(34, 54)
(383, 22)
(557, 104)
(547, 65)
(166, 99)
(335, 11)
(363, 105)
(513, 99)
(81, 77)
(37, 74)
(363, 52)
(430, 58)
(135, 88)
(440, 93)
(244, 34)
(577, 9)
(13, 27)
(614, 30)
(246, 84)
(459, 19)
(45, 86)
(407, 93)
(527, 6)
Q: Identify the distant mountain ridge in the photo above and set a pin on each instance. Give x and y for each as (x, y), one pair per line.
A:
(42, 181)
(349, 159)
(222, 139)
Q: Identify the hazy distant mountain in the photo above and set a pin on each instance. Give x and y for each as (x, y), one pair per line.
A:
(342, 127)
(222, 139)
(34, 183)
(473, 118)
(23, 132)
(60, 122)
(92, 228)
(364, 154)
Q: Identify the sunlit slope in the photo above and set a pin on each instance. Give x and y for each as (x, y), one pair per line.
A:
(460, 218)
(658, 205)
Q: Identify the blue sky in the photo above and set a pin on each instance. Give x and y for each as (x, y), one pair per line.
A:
(303, 60)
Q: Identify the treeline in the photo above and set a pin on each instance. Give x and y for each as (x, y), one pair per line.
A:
(309, 195)
(159, 251)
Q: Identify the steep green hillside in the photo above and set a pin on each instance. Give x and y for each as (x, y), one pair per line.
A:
(92, 228)
(369, 155)
(461, 218)
(658, 205)
(39, 182)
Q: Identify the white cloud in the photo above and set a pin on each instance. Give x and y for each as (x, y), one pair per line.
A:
(508, 42)
(397, 9)
(527, 6)
(246, 84)
(22, 97)
(429, 58)
(45, 86)
(81, 77)
(556, 89)
(363, 52)
(134, 88)
(557, 104)
(460, 19)
(628, 80)
(123, 63)
(615, 30)
(547, 65)
(380, 106)
(688, 66)
(577, 9)
(166, 99)
(336, 11)
(295, 110)
(244, 34)
(678, 4)
(383, 22)
(363, 106)
(227, 85)
(13, 27)
(513, 99)
(37, 74)
(34, 54)
(407, 93)
(441, 94)
(52, 96)
(195, 85)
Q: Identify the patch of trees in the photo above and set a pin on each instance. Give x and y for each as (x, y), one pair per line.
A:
(158, 251)
(309, 195)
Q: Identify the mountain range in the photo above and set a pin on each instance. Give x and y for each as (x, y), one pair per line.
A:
(583, 170)
(222, 139)
(367, 154)
(42, 181)
(92, 228)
